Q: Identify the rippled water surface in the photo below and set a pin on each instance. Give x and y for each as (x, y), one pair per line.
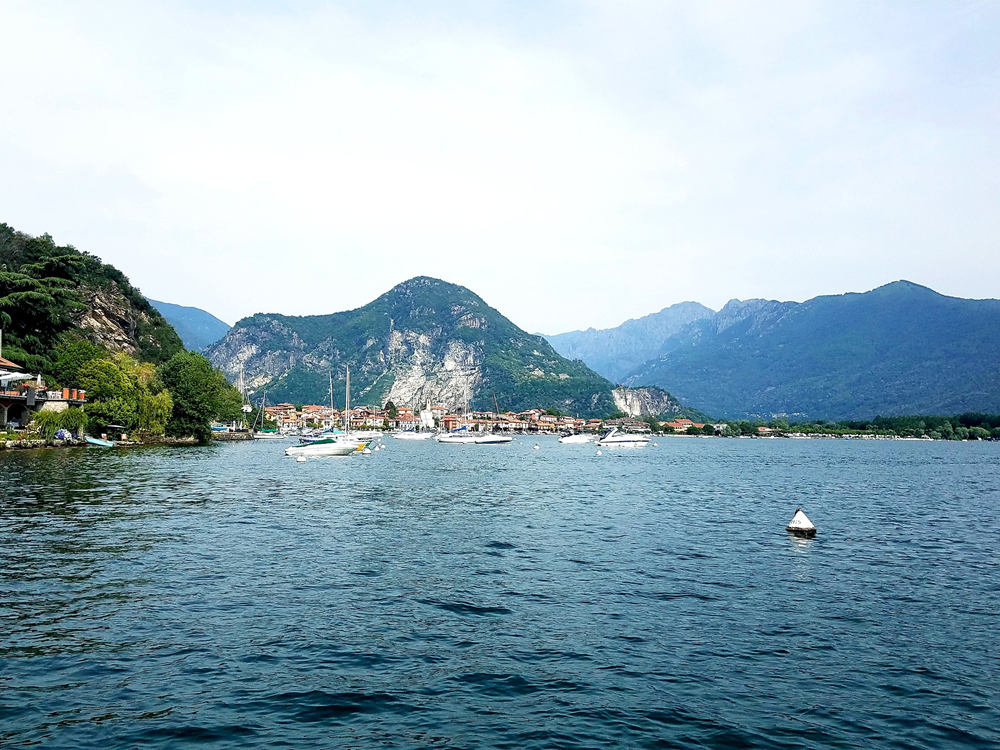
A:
(496, 596)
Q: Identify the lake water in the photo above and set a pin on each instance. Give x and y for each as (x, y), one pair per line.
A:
(497, 596)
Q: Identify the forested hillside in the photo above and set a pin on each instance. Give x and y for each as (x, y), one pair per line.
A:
(49, 290)
(79, 323)
(899, 349)
(424, 341)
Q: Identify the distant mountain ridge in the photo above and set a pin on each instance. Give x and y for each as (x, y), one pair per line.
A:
(197, 328)
(617, 352)
(899, 349)
(424, 341)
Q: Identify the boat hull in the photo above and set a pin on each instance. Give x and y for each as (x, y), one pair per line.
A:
(329, 448)
(98, 443)
(494, 440)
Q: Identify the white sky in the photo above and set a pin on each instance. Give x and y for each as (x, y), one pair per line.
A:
(574, 163)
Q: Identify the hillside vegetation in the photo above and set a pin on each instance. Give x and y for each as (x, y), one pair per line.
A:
(80, 324)
(48, 291)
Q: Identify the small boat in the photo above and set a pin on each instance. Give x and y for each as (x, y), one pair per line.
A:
(98, 442)
(413, 435)
(268, 435)
(338, 446)
(575, 437)
(337, 443)
(461, 435)
(616, 438)
(329, 434)
(494, 439)
(264, 434)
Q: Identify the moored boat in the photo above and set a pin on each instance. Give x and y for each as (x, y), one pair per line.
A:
(338, 446)
(494, 439)
(615, 438)
(413, 435)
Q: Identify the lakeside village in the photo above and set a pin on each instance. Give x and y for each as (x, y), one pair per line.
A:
(289, 418)
(292, 419)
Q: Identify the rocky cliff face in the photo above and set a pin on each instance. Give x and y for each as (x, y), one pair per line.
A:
(109, 319)
(648, 401)
(424, 341)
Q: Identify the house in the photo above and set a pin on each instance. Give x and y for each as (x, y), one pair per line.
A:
(20, 398)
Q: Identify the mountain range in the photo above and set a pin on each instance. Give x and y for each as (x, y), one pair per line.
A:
(197, 328)
(423, 342)
(616, 352)
(899, 349)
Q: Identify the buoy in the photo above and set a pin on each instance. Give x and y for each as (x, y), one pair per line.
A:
(656, 445)
(536, 447)
(801, 525)
(599, 453)
(367, 451)
(300, 460)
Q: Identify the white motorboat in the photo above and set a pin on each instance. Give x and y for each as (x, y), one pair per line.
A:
(336, 446)
(615, 438)
(575, 437)
(494, 439)
(413, 435)
(460, 435)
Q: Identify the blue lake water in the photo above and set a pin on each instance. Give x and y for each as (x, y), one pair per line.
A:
(496, 596)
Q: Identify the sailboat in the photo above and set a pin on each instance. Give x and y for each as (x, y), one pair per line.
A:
(341, 444)
(263, 434)
(426, 422)
(494, 438)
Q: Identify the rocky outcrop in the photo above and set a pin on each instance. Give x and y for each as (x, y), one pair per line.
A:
(109, 319)
(645, 402)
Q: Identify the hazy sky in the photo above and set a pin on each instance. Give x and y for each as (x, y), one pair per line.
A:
(575, 163)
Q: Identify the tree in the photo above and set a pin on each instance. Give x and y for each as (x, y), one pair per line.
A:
(70, 357)
(200, 394)
(391, 409)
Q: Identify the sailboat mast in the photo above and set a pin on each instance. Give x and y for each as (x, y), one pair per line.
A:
(347, 409)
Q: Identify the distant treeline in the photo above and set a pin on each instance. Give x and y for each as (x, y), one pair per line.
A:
(969, 426)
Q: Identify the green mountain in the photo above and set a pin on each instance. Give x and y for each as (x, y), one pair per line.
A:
(424, 341)
(50, 292)
(899, 349)
(197, 328)
(616, 352)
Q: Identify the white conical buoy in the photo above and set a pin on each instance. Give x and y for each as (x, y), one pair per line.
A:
(367, 451)
(801, 525)
(300, 460)
(656, 445)
(536, 447)
(599, 453)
